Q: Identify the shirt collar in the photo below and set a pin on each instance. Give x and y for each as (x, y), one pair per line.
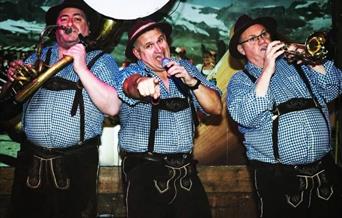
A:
(256, 71)
(253, 69)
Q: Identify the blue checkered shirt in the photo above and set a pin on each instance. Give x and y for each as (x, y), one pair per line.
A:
(46, 119)
(176, 130)
(303, 136)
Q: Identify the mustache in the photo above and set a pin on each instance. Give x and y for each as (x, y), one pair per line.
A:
(67, 30)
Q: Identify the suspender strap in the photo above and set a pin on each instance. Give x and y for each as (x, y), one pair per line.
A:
(275, 123)
(307, 83)
(186, 92)
(58, 83)
(275, 147)
(174, 105)
(153, 127)
(79, 102)
(169, 104)
(294, 104)
(48, 56)
(251, 77)
(78, 99)
(93, 61)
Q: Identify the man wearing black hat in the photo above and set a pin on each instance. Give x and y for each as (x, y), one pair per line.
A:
(57, 164)
(281, 109)
(158, 119)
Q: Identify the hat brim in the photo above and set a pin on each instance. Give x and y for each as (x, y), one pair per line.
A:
(268, 22)
(165, 28)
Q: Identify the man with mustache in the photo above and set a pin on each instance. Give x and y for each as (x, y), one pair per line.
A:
(57, 164)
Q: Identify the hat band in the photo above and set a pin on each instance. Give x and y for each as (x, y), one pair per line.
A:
(141, 28)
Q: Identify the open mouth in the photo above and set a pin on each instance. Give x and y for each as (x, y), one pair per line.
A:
(159, 58)
(263, 48)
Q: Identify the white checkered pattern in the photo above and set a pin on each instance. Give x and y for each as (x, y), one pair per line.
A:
(176, 131)
(303, 135)
(47, 120)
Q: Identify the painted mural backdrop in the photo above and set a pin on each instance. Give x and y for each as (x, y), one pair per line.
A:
(198, 25)
(195, 22)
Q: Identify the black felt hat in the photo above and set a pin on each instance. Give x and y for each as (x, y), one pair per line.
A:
(242, 24)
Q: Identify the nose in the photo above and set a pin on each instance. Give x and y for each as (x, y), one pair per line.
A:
(157, 47)
(70, 22)
(261, 39)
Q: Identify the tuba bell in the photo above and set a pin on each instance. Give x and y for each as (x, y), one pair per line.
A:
(312, 52)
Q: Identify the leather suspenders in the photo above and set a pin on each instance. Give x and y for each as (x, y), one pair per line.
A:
(171, 104)
(58, 83)
(294, 104)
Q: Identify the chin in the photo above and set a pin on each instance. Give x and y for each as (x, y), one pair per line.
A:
(68, 44)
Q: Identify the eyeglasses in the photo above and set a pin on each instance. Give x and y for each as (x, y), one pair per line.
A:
(254, 39)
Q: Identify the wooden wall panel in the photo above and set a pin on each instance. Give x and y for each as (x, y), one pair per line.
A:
(229, 189)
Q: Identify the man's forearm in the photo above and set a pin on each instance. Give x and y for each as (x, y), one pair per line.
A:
(130, 86)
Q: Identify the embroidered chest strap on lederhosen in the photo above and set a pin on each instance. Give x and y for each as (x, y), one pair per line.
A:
(170, 104)
(58, 83)
(294, 104)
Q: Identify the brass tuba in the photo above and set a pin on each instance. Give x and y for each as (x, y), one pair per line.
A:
(28, 79)
(313, 52)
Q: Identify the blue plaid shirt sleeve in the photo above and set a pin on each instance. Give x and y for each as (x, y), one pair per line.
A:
(33, 57)
(244, 106)
(141, 69)
(327, 85)
(193, 71)
(106, 69)
(123, 75)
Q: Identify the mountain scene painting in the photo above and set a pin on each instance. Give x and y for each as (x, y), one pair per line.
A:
(196, 23)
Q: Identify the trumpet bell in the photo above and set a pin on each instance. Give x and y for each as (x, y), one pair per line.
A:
(313, 52)
(315, 44)
(128, 9)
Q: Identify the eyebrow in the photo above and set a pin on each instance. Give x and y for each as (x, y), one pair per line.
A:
(253, 35)
(73, 15)
(162, 35)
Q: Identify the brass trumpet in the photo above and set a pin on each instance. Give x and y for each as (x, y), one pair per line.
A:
(312, 52)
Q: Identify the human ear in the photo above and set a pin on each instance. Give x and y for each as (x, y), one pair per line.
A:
(240, 49)
(136, 53)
